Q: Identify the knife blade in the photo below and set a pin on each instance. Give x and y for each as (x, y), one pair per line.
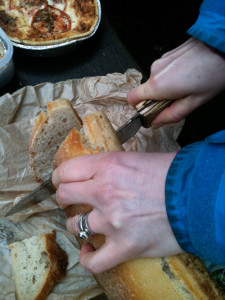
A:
(39, 194)
(146, 112)
(129, 129)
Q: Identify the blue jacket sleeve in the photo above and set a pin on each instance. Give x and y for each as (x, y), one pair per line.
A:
(210, 25)
(195, 198)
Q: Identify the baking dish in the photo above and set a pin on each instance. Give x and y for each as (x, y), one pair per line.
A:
(60, 48)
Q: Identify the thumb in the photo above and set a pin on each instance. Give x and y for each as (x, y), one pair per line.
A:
(98, 261)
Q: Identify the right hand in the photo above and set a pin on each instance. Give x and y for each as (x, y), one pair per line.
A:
(192, 74)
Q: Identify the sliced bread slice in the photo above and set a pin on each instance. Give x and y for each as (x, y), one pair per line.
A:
(48, 133)
(38, 264)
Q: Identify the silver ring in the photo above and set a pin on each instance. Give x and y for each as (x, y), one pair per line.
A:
(85, 231)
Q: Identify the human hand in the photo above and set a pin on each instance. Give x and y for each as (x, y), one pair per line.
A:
(127, 193)
(191, 74)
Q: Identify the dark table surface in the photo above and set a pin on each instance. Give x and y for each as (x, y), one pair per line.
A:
(132, 34)
(101, 54)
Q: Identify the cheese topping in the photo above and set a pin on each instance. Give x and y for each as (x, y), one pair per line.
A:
(47, 21)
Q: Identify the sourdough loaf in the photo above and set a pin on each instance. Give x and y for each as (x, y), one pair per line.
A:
(38, 264)
(48, 133)
(178, 277)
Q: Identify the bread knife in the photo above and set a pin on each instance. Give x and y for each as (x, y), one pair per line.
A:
(146, 112)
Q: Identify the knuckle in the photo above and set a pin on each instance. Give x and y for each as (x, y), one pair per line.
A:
(72, 225)
(107, 187)
(62, 172)
(156, 66)
(155, 82)
(108, 161)
(108, 191)
(174, 118)
(93, 266)
(116, 220)
(117, 217)
(131, 247)
(175, 113)
(60, 195)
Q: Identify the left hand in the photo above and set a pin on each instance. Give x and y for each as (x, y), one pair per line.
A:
(191, 74)
(127, 193)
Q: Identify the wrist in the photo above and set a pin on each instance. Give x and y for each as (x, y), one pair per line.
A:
(216, 51)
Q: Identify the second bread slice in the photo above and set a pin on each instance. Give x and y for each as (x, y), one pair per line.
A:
(38, 264)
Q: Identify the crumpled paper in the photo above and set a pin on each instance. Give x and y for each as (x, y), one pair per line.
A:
(17, 114)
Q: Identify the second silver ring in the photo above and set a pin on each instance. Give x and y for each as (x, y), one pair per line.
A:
(85, 230)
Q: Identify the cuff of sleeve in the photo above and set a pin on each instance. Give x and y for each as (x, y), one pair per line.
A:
(176, 190)
(195, 198)
(210, 29)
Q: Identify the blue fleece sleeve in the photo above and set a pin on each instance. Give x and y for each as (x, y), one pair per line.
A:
(210, 25)
(195, 198)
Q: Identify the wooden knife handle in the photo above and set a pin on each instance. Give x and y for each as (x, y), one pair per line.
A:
(149, 109)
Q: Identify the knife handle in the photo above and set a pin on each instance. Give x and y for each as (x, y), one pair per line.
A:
(149, 109)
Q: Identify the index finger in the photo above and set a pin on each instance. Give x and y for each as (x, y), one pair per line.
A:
(79, 168)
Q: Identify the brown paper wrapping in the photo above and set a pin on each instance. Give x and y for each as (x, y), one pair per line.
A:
(17, 114)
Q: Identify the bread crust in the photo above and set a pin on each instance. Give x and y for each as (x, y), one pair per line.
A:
(58, 262)
(157, 278)
(178, 277)
(97, 136)
(42, 119)
(74, 143)
(58, 104)
(100, 133)
(58, 265)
